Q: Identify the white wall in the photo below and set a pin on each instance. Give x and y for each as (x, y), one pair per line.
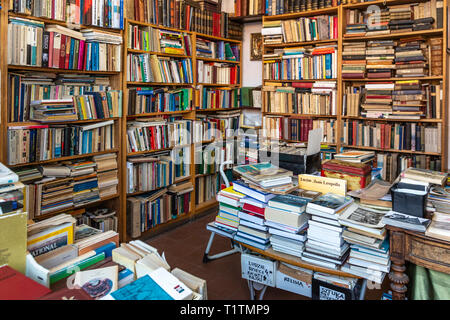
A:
(251, 70)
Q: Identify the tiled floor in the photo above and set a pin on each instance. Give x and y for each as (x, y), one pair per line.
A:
(184, 247)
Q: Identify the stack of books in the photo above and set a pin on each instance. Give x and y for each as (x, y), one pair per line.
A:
(229, 207)
(355, 30)
(378, 22)
(272, 32)
(53, 195)
(435, 60)
(11, 191)
(369, 253)
(107, 174)
(354, 60)
(411, 58)
(325, 245)
(356, 156)
(408, 100)
(380, 59)
(53, 110)
(99, 218)
(400, 18)
(286, 218)
(377, 99)
(85, 189)
(264, 175)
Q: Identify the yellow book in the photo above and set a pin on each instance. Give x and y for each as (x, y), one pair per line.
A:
(13, 240)
(83, 108)
(50, 238)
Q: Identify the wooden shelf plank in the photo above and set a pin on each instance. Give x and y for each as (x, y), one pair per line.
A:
(302, 43)
(427, 78)
(79, 156)
(207, 36)
(382, 3)
(308, 13)
(300, 80)
(57, 70)
(146, 24)
(36, 123)
(250, 18)
(219, 85)
(218, 60)
(162, 54)
(391, 120)
(432, 32)
(135, 83)
(137, 153)
(151, 114)
(299, 115)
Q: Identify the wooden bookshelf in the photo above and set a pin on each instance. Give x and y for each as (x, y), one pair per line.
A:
(115, 78)
(185, 114)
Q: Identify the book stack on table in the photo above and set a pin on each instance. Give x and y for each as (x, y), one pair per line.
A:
(325, 245)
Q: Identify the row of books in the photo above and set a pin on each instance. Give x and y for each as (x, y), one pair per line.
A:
(68, 185)
(301, 63)
(202, 17)
(52, 46)
(44, 142)
(215, 72)
(396, 18)
(159, 40)
(276, 7)
(408, 99)
(302, 98)
(217, 50)
(398, 136)
(205, 131)
(157, 133)
(206, 158)
(151, 68)
(155, 99)
(215, 98)
(206, 188)
(315, 28)
(392, 164)
(298, 129)
(28, 87)
(244, 8)
(149, 173)
(225, 122)
(151, 209)
(99, 13)
(101, 219)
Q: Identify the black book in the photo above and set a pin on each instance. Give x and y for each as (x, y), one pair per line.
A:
(422, 27)
(401, 22)
(424, 20)
(45, 48)
(433, 101)
(408, 136)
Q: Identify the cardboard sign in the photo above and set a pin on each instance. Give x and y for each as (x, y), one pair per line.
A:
(322, 184)
(258, 269)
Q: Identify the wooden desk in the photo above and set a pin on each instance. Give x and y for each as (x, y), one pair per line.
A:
(415, 247)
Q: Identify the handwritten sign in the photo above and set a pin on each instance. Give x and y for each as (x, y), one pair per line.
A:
(258, 269)
(322, 184)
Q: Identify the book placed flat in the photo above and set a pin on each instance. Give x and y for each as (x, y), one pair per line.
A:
(329, 203)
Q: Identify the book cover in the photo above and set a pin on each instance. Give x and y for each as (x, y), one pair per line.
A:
(16, 286)
(98, 282)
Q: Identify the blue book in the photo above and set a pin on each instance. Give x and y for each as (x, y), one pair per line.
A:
(328, 66)
(144, 288)
(106, 249)
(251, 243)
(242, 187)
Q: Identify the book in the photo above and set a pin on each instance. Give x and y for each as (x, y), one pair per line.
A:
(288, 202)
(405, 221)
(263, 172)
(98, 282)
(13, 240)
(16, 286)
(329, 203)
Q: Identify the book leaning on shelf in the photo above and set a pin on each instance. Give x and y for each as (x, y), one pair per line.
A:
(157, 133)
(159, 40)
(54, 46)
(151, 68)
(45, 142)
(151, 100)
(100, 13)
(302, 98)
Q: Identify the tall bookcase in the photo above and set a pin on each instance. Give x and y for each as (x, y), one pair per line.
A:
(340, 11)
(186, 114)
(115, 77)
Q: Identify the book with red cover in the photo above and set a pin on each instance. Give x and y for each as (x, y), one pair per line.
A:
(302, 84)
(16, 286)
(62, 52)
(251, 209)
(68, 294)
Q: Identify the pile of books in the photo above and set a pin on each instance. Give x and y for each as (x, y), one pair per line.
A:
(217, 50)
(355, 29)
(227, 219)
(287, 221)
(380, 59)
(369, 253)
(400, 18)
(354, 60)
(356, 156)
(53, 110)
(11, 192)
(247, 149)
(100, 218)
(408, 100)
(152, 100)
(377, 99)
(272, 32)
(325, 245)
(378, 21)
(107, 174)
(411, 58)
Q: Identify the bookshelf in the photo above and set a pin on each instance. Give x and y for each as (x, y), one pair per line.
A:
(188, 114)
(114, 76)
(342, 82)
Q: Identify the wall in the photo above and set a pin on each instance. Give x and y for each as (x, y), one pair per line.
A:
(251, 70)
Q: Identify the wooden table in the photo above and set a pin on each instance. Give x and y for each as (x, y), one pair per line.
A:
(415, 247)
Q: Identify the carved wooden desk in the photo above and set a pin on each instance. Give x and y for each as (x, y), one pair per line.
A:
(415, 247)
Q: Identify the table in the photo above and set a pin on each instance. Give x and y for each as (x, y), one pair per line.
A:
(415, 247)
(295, 261)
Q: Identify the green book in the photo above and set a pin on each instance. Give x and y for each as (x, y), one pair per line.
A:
(229, 55)
(246, 96)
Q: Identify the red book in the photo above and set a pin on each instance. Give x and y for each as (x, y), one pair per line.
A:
(254, 209)
(68, 294)
(68, 45)
(16, 286)
(382, 135)
(302, 84)
(62, 52)
(335, 27)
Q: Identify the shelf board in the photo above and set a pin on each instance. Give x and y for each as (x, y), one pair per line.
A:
(132, 194)
(206, 205)
(391, 120)
(162, 54)
(163, 226)
(136, 83)
(302, 43)
(376, 2)
(246, 19)
(79, 156)
(57, 70)
(151, 114)
(36, 123)
(62, 23)
(217, 60)
(299, 115)
(217, 109)
(307, 13)
(432, 32)
(301, 80)
(219, 85)
(207, 36)
(393, 79)
(53, 213)
(137, 153)
(391, 150)
(156, 26)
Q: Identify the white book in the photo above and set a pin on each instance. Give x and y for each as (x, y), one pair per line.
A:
(320, 213)
(251, 218)
(288, 251)
(227, 200)
(366, 275)
(325, 220)
(294, 236)
(311, 243)
(174, 287)
(370, 265)
(325, 226)
(286, 241)
(284, 227)
(253, 225)
(251, 237)
(329, 241)
(368, 257)
(97, 125)
(321, 263)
